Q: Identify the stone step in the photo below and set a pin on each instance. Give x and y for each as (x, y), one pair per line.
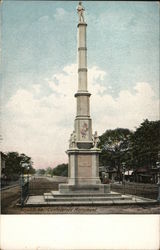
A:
(93, 202)
(58, 194)
(89, 198)
(40, 201)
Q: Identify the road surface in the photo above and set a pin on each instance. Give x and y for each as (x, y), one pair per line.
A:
(10, 198)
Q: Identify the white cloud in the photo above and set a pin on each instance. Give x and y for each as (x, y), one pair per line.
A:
(60, 13)
(40, 125)
(43, 19)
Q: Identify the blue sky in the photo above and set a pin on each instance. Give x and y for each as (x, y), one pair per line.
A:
(39, 56)
(123, 39)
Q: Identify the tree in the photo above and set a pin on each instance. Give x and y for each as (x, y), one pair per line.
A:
(13, 164)
(49, 171)
(115, 145)
(146, 144)
(137, 149)
(61, 170)
(41, 171)
(27, 160)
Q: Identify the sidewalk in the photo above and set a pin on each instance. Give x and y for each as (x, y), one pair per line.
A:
(10, 185)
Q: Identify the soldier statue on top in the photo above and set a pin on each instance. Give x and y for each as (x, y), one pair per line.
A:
(80, 10)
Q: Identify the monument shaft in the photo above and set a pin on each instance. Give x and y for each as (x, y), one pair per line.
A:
(82, 57)
(83, 122)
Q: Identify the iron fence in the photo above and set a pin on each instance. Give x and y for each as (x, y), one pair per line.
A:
(139, 189)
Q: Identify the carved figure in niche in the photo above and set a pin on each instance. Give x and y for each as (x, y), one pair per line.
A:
(84, 130)
(72, 141)
(80, 10)
(96, 139)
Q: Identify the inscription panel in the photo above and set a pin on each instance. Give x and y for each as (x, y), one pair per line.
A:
(85, 166)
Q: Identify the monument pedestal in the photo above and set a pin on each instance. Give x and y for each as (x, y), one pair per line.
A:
(83, 166)
(83, 172)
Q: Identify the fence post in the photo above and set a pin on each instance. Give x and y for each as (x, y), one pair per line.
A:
(124, 186)
(22, 190)
(135, 188)
(158, 183)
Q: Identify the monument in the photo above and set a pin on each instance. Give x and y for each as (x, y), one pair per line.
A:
(83, 153)
(84, 186)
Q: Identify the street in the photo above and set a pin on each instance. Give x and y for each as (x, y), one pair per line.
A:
(39, 185)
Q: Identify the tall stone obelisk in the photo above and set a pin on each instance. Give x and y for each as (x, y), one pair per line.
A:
(83, 153)
(84, 186)
(83, 122)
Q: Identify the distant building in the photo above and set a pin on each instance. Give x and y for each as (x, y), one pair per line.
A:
(141, 174)
(146, 175)
(129, 175)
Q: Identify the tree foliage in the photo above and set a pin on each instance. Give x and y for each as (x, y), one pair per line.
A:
(41, 171)
(136, 149)
(61, 170)
(49, 171)
(115, 146)
(146, 144)
(13, 164)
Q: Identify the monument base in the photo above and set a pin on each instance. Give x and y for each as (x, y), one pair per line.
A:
(83, 179)
(83, 173)
(92, 188)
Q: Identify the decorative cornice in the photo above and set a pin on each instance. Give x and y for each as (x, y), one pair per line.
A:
(82, 48)
(83, 117)
(84, 151)
(82, 70)
(82, 94)
(81, 24)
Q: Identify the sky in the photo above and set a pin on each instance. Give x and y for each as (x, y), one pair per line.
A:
(39, 71)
